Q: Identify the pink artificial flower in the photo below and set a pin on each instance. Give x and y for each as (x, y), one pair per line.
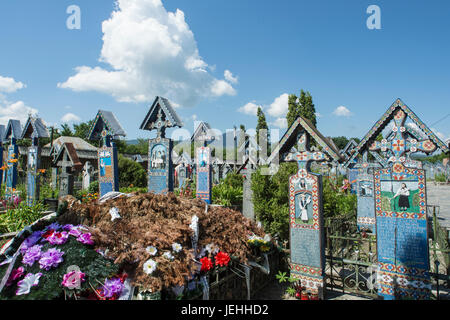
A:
(15, 274)
(75, 232)
(73, 279)
(85, 238)
(58, 237)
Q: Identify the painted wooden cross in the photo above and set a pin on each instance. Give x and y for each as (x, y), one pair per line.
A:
(364, 191)
(364, 165)
(160, 125)
(400, 145)
(304, 156)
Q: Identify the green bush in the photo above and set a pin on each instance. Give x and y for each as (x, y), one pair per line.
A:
(93, 187)
(229, 191)
(227, 195)
(133, 189)
(271, 199)
(440, 177)
(131, 173)
(46, 192)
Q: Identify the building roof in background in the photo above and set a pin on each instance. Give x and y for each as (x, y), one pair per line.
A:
(78, 143)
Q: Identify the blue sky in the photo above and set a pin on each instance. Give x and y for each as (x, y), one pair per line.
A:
(213, 58)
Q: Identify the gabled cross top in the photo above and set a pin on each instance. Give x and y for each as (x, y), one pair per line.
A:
(304, 156)
(160, 125)
(400, 146)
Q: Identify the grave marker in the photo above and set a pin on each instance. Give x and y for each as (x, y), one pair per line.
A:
(106, 127)
(12, 133)
(2, 133)
(67, 160)
(160, 167)
(87, 171)
(34, 129)
(204, 173)
(400, 206)
(305, 203)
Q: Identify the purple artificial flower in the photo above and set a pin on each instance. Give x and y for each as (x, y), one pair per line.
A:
(58, 237)
(85, 238)
(31, 255)
(51, 258)
(30, 241)
(112, 287)
(54, 226)
(68, 227)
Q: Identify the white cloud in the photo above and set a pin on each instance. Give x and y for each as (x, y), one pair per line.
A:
(342, 111)
(318, 115)
(221, 87)
(14, 110)
(9, 85)
(70, 117)
(280, 123)
(150, 52)
(250, 108)
(279, 106)
(229, 77)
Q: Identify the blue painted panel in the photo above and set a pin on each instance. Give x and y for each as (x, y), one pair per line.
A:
(160, 168)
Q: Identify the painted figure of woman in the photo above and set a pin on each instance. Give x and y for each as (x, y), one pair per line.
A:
(403, 194)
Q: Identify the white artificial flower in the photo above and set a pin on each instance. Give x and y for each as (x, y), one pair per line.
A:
(151, 250)
(150, 266)
(176, 247)
(114, 212)
(168, 255)
(210, 248)
(30, 280)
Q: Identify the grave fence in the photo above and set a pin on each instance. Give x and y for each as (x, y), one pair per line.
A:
(351, 258)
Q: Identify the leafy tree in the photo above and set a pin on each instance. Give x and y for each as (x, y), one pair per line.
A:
(66, 131)
(301, 106)
(261, 125)
(340, 142)
(81, 130)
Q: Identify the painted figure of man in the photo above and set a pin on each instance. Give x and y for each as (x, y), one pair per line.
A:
(303, 205)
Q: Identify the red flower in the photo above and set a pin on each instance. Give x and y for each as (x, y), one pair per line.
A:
(48, 233)
(222, 259)
(206, 264)
(123, 277)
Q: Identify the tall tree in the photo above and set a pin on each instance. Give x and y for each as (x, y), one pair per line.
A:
(301, 106)
(262, 125)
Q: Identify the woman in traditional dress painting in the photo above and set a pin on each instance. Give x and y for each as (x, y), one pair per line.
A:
(403, 194)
